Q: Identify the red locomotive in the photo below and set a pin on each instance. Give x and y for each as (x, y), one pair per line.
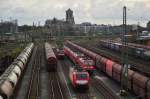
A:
(79, 78)
(137, 83)
(50, 57)
(81, 59)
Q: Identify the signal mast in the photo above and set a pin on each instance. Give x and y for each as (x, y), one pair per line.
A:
(124, 81)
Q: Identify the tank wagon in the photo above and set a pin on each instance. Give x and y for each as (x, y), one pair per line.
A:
(136, 51)
(81, 59)
(50, 57)
(137, 83)
(79, 78)
(11, 76)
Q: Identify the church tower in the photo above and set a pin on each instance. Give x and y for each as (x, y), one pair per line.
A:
(70, 17)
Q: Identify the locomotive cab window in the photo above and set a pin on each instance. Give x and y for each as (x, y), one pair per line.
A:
(81, 76)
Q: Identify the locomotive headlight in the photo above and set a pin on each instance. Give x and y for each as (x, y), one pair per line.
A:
(92, 67)
(81, 82)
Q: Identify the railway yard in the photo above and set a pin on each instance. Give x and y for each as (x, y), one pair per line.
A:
(81, 70)
(75, 49)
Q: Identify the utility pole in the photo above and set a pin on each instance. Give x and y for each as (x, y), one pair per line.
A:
(138, 25)
(124, 80)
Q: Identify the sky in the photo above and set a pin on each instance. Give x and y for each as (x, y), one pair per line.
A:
(94, 11)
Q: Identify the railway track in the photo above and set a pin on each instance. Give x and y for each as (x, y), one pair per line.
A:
(83, 96)
(54, 86)
(136, 64)
(34, 86)
(103, 89)
(56, 92)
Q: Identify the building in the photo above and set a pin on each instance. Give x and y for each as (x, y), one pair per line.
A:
(9, 26)
(68, 26)
(144, 40)
(148, 26)
(54, 21)
(92, 29)
(57, 26)
(70, 17)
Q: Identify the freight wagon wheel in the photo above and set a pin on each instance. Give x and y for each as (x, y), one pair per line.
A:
(123, 93)
(3, 96)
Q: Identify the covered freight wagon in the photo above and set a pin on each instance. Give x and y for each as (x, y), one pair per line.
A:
(50, 57)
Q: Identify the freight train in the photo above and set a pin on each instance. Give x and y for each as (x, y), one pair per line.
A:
(137, 83)
(132, 50)
(79, 78)
(60, 53)
(81, 59)
(11, 76)
(50, 57)
(139, 45)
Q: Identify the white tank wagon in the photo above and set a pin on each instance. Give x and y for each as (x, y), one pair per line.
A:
(17, 70)
(13, 68)
(19, 64)
(8, 81)
(10, 78)
(28, 50)
(22, 58)
(6, 89)
(13, 72)
(21, 61)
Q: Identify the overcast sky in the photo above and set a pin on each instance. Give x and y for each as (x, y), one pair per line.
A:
(94, 11)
